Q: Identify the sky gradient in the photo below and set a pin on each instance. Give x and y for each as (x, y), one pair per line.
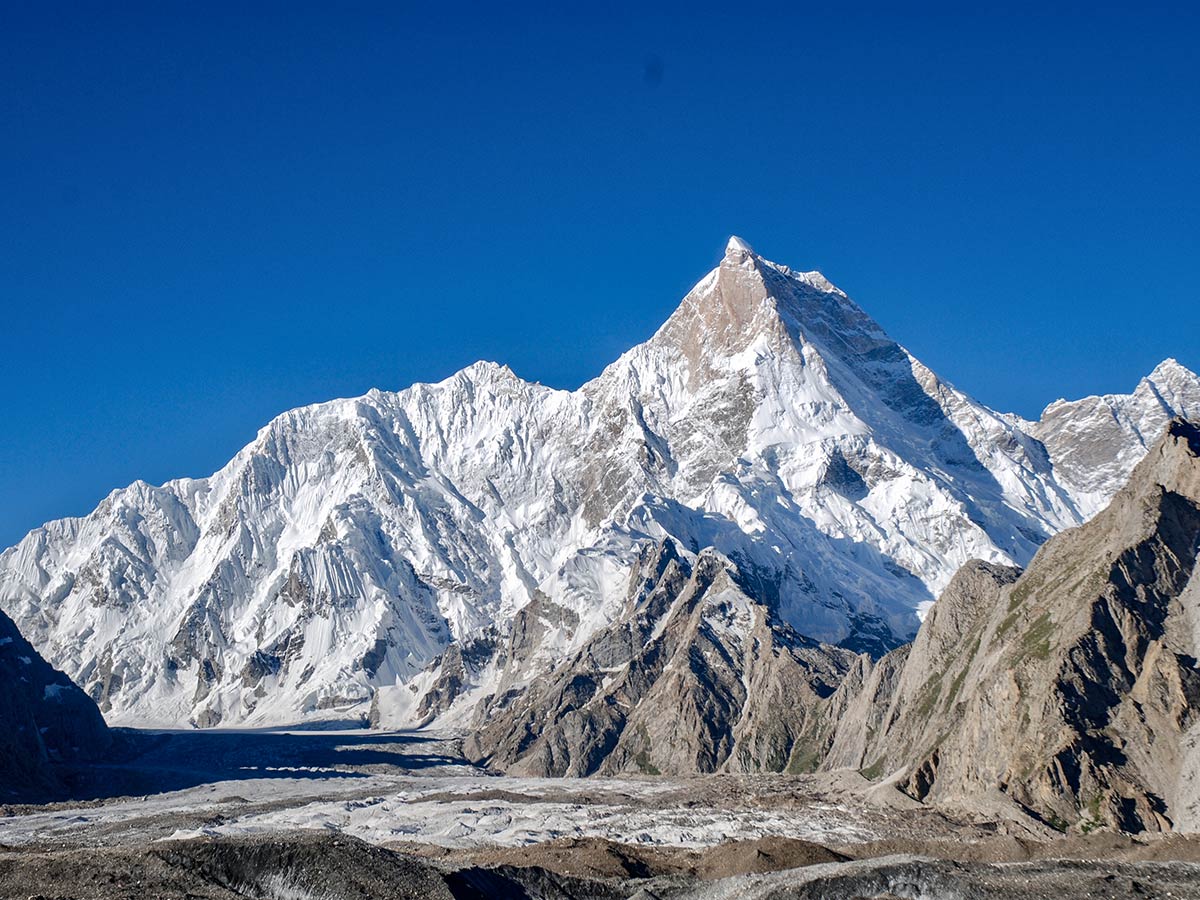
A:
(211, 216)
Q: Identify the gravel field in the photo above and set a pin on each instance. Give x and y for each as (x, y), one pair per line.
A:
(325, 815)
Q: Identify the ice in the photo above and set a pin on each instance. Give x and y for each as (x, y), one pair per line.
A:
(449, 803)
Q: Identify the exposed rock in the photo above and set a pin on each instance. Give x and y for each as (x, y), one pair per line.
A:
(44, 720)
(278, 866)
(694, 676)
(457, 669)
(1072, 689)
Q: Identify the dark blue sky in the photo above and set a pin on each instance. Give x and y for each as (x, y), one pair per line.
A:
(210, 216)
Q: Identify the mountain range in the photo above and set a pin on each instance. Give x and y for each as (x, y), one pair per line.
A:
(1069, 688)
(770, 458)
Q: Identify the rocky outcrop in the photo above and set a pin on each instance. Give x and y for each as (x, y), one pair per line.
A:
(895, 704)
(1072, 689)
(693, 677)
(44, 720)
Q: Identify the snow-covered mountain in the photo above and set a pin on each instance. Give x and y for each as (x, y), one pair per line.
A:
(1095, 443)
(353, 541)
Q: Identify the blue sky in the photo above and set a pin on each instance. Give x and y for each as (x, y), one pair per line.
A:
(212, 215)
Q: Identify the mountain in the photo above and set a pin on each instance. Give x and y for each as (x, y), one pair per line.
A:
(1071, 688)
(44, 720)
(694, 676)
(1081, 435)
(410, 552)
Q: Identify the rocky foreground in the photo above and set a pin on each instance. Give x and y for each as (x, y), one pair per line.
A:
(333, 815)
(317, 866)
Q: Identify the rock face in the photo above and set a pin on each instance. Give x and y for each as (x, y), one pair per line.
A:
(354, 542)
(1072, 689)
(694, 676)
(44, 719)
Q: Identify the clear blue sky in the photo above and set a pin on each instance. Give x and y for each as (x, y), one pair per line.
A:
(212, 215)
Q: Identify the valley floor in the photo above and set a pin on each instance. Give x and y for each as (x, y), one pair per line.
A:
(266, 813)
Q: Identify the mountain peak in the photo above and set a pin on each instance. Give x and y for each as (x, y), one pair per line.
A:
(485, 369)
(1170, 368)
(737, 249)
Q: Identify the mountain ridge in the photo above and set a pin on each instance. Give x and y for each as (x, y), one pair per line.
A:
(1069, 688)
(354, 541)
(1066, 691)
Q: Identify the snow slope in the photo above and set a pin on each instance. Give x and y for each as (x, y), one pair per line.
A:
(353, 541)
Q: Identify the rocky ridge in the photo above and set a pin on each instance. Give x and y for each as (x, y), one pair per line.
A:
(1072, 688)
(693, 676)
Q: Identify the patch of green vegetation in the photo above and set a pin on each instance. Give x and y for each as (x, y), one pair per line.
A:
(1019, 594)
(1057, 822)
(874, 771)
(955, 687)
(928, 695)
(644, 765)
(1007, 623)
(974, 647)
(1093, 822)
(642, 757)
(1092, 582)
(1036, 641)
(957, 683)
(804, 761)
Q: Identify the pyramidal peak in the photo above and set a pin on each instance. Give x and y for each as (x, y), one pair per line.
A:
(738, 250)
